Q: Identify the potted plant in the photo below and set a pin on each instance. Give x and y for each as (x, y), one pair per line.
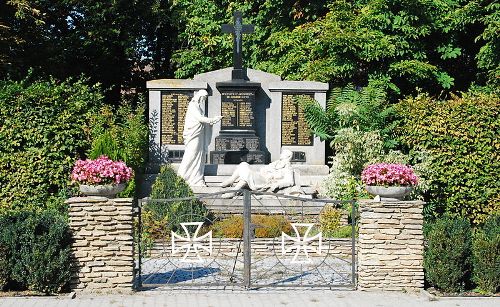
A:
(101, 177)
(389, 181)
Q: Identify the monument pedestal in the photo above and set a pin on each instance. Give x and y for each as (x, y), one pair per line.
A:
(237, 141)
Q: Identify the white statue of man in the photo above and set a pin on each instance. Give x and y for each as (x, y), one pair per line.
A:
(275, 176)
(197, 135)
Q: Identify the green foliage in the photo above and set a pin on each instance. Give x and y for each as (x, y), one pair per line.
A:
(267, 226)
(486, 256)
(271, 226)
(203, 47)
(231, 227)
(353, 150)
(4, 268)
(121, 135)
(343, 232)
(166, 216)
(432, 44)
(447, 254)
(42, 133)
(365, 109)
(406, 44)
(106, 145)
(488, 56)
(462, 137)
(38, 249)
(110, 42)
(329, 219)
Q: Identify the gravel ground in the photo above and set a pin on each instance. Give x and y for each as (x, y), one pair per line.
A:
(273, 271)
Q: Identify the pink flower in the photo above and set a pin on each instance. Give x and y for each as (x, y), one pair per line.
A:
(388, 175)
(102, 170)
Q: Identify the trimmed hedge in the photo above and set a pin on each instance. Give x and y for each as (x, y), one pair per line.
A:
(43, 128)
(462, 136)
(37, 246)
(486, 256)
(447, 254)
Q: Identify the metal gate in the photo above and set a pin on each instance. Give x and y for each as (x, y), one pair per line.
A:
(250, 241)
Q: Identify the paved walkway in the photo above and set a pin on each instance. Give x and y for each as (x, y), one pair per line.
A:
(288, 298)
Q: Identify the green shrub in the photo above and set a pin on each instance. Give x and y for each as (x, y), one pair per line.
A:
(343, 232)
(166, 216)
(447, 254)
(486, 256)
(121, 135)
(271, 226)
(231, 227)
(329, 219)
(267, 226)
(4, 268)
(462, 136)
(38, 245)
(43, 128)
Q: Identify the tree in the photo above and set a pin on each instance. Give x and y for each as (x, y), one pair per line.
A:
(406, 44)
(203, 47)
(110, 42)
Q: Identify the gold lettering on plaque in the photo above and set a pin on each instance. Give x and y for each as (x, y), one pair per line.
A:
(173, 112)
(294, 128)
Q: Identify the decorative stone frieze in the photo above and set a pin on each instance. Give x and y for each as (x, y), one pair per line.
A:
(102, 249)
(391, 245)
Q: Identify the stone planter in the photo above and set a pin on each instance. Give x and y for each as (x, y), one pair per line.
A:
(105, 190)
(389, 193)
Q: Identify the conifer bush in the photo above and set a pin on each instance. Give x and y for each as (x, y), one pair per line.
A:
(37, 249)
(486, 256)
(166, 216)
(447, 254)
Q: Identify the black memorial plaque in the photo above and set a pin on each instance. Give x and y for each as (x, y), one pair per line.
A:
(294, 128)
(237, 142)
(173, 111)
(236, 157)
(237, 107)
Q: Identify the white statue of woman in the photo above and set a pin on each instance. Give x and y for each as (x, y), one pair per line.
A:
(197, 135)
(277, 175)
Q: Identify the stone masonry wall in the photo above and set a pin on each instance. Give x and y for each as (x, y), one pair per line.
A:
(391, 245)
(102, 250)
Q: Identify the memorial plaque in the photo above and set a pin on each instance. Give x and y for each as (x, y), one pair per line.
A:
(237, 143)
(294, 128)
(173, 111)
(237, 109)
(236, 157)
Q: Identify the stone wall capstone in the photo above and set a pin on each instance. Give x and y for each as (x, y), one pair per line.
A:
(102, 249)
(391, 245)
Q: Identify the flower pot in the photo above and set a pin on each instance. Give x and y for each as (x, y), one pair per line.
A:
(105, 190)
(389, 193)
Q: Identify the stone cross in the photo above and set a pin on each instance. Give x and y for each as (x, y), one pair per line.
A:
(238, 29)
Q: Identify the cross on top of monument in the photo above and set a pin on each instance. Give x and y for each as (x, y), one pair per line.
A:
(238, 29)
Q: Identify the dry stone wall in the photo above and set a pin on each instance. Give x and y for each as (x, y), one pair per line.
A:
(103, 243)
(391, 245)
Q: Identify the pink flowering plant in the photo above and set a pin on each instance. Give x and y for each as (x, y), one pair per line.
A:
(102, 170)
(386, 174)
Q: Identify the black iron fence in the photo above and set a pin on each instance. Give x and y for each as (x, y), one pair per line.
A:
(252, 240)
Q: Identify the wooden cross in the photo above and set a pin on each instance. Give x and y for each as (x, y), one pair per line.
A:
(238, 29)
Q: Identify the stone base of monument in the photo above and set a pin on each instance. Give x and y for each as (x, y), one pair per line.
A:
(310, 177)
